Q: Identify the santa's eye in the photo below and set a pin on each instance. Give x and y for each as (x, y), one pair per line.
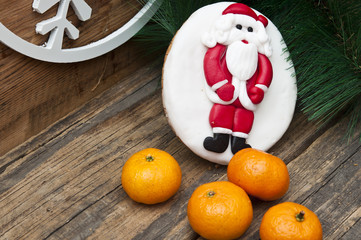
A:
(250, 29)
(239, 26)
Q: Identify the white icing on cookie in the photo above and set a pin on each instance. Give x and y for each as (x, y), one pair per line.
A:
(184, 90)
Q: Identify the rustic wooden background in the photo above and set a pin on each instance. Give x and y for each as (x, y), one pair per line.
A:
(34, 94)
(66, 130)
(64, 183)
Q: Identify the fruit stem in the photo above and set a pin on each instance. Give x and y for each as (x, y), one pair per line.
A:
(149, 158)
(300, 217)
(211, 193)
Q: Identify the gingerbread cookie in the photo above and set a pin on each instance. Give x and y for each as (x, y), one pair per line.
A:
(227, 84)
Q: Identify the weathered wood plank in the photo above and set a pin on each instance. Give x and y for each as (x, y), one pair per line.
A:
(349, 227)
(353, 230)
(338, 201)
(56, 175)
(298, 137)
(65, 182)
(35, 94)
(319, 180)
(107, 16)
(94, 112)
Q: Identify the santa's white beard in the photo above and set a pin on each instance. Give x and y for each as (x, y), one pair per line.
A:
(242, 60)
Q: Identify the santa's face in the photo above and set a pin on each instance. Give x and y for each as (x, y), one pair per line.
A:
(244, 28)
(231, 28)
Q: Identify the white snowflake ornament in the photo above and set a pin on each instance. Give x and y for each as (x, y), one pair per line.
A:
(52, 50)
(59, 24)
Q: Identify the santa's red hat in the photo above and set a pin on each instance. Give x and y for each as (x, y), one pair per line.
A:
(239, 8)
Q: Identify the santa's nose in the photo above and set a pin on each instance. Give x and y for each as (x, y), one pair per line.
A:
(245, 41)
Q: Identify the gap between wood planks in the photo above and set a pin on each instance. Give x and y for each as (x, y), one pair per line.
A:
(301, 143)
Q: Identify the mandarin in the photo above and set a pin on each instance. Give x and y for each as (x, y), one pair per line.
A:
(290, 221)
(219, 210)
(260, 174)
(151, 176)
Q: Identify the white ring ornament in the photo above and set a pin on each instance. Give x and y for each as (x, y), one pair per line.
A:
(92, 50)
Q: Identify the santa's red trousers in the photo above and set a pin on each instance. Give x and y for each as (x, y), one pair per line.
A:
(233, 117)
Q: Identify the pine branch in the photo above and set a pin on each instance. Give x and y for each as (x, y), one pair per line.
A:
(324, 40)
(159, 32)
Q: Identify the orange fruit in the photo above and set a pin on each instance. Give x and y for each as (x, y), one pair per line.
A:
(219, 210)
(290, 221)
(151, 176)
(260, 174)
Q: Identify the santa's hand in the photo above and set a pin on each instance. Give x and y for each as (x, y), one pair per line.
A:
(255, 94)
(226, 92)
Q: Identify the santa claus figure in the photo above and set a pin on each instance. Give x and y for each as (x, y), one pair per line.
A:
(238, 73)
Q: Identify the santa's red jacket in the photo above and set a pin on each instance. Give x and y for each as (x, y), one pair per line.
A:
(217, 73)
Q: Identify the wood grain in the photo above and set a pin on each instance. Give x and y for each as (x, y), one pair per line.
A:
(64, 183)
(35, 94)
(107, 16)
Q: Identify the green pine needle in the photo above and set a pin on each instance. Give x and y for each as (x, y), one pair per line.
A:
(323, 38)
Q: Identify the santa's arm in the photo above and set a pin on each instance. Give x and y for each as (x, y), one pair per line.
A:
(265, 72)
(263, 81)
(212, 67)
(214, 72)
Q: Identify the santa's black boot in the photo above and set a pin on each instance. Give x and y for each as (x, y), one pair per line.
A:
(238, 144)
(218, 143)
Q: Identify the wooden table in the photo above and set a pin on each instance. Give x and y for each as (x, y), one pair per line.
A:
(64, 183)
